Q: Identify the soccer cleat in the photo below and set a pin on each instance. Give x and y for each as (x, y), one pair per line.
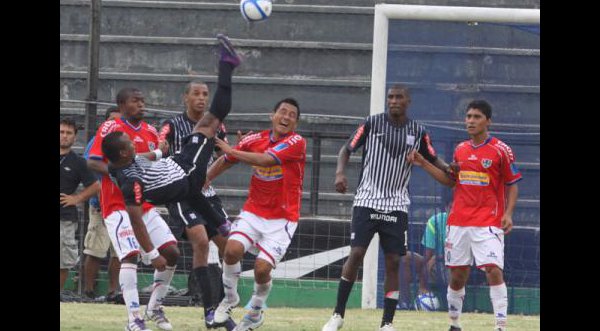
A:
(387, 327)
(249, 323)
(230, 324)
(228, 53)
(158, 316)
(223, 311)
(137, 325)
(335, 323)
(454, 328)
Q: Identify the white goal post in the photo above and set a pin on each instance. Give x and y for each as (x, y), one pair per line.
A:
(383, 13)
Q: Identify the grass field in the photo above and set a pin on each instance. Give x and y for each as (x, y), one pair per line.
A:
(101, 317)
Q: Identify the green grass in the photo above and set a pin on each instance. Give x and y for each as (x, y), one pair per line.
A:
(101, 317)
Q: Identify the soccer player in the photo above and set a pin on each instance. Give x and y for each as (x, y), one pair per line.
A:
(484, 178)
(97, 241)
(176, 178)
(187, 223)
(270, 215)
(433, 241)
(382, 200)
(121, 229)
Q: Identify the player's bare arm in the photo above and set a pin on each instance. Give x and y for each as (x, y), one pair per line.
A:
(98, 166)
(72, 200)
(341, 181)
(257, 159)
(512, 192)
(163, 146)
(217, 168)
(208, 125)
(435, 172)
(141, 234)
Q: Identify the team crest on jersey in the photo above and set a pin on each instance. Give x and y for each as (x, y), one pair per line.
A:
(151, 146)
(486, 163)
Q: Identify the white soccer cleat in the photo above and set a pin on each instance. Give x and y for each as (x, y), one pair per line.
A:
(248, 323)
(137, 325)
(223, 311)
(158, 316)
(387, 327)
(335, 323)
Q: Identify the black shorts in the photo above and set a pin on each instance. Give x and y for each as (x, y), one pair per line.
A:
(392, 228)
(182, 216)
(194, 157)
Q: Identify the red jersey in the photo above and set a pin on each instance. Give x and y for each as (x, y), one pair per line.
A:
(479, 193)
(145, 139)
(275, 191)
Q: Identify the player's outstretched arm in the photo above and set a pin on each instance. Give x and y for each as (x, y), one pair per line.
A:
(341, 182)
(435, 172)
(255, 159)
(141, 234)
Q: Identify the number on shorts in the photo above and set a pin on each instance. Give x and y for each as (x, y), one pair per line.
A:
(132, 243)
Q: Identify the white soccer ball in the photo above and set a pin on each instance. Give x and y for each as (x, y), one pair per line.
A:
(427, 302)
(256, 10)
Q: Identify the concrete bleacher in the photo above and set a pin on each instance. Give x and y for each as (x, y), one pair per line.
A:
(318, 51)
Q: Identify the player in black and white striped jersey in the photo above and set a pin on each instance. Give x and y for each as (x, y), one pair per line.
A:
(184, 221)
(381, 201)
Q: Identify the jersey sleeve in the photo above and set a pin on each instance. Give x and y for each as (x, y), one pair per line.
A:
(96, 149)
(426, 148)
(244, 145)
(359, 137)
(166, 133)
(510, 172)
(291, 149)
(132, 192)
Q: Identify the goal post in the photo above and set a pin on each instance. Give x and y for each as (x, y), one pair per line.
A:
(383, 13)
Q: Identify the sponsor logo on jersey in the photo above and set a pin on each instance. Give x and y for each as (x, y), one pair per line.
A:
(108, 127)
(410, 140)
(137, 190)
(474, 178)
(67, 168)
(280, 147)
(269, 173)
(137, 139)
(486, 163)
(472, 157)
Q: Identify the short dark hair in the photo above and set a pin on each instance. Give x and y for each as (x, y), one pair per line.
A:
(402, 88)
(112, 145)
(69, 122)
(188, 86)
(291, 101)
(125, 93)
(481, 105)
(110, 110)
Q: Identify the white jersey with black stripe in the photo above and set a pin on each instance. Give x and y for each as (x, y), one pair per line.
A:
(385, 172)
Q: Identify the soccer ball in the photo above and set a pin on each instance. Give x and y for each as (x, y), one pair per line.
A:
(427, 302)
(256, 10)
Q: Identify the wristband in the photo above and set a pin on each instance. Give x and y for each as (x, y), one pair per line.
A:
(158, 153)
(153, 254)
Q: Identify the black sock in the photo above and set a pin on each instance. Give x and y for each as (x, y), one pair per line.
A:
(344, 289)
(203, 282)
(389, 308)
(221, 104)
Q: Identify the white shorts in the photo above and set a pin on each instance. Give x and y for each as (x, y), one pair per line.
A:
(465, 243)
(268, 239)
(123, 238)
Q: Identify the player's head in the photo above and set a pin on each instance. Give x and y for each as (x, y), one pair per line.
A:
(398, 100)
(196, 97)
(118, 148)
(131, 103)
(478, 117)
(111, 113)
(68, 131)
(286, 114)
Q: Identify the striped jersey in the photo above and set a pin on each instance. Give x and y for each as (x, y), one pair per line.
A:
(157, 182)
(175, 129)
(385, 172)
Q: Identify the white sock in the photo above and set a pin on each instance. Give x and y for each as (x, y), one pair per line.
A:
(455, 303)
(128, 282)
(499, 296)
(231, 275)
(259, 297)
(162, 280)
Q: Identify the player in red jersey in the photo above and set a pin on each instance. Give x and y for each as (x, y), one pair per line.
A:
(270, 215)
(484, 178)
(121, 229)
